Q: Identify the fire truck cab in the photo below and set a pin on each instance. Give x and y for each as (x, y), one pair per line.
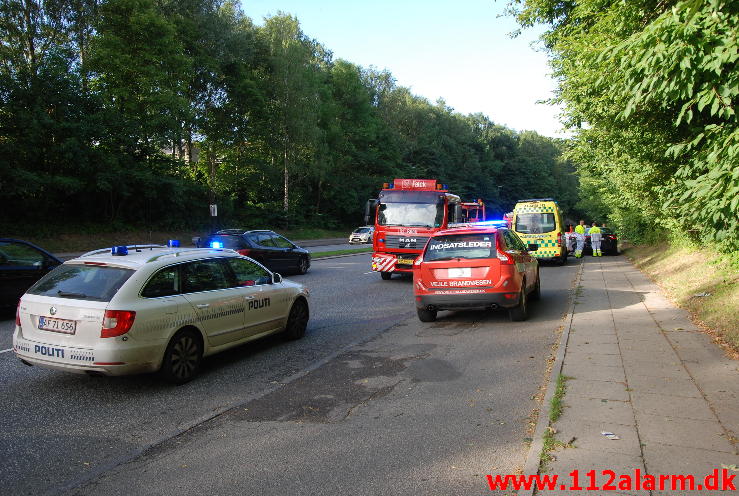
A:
(406, 213)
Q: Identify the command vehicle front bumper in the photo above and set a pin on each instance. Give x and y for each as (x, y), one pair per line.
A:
(466, 299)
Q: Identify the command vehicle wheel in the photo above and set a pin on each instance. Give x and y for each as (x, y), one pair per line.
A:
(386, 275)
(302, 265)
(536, 293)
(425, 315)
(521, 311)
(182, 358)
(297, 321)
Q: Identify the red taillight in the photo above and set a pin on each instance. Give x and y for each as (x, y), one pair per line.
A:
(243, 251)
(559, 239)
(18, 314)
(505, 258)
(116, 323)
(611, 236)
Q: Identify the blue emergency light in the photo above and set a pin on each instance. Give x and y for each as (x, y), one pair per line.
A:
(119, 251)
(216, 244)
(495, 223)
(173, 243)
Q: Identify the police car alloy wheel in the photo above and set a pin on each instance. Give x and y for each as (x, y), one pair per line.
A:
(298, 320)
(303, 265)
(182, 358)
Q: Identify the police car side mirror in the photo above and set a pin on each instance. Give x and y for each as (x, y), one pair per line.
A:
(533, 247)
(276, 278)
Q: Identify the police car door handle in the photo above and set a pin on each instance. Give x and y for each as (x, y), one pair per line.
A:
(202, 305)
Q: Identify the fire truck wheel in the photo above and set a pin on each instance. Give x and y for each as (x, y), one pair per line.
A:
(521, 311)
(386, 275)
(425, 315)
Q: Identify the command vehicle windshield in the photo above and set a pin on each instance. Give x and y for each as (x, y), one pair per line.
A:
(535, 223)
(469, 246)
(82, 282)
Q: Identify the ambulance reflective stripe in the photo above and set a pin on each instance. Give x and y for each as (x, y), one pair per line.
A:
(383, 263)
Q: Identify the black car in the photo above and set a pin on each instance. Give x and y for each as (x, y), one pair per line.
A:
(21, 264)
(608, 243)
(275, 252)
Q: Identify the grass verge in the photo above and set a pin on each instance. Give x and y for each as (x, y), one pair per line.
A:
(353, 251)
(698, 280)
(555, 412)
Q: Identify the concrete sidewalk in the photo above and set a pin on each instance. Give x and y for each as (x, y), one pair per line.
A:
(639, 368)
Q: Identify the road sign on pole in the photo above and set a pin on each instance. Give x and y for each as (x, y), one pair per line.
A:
(214, 210)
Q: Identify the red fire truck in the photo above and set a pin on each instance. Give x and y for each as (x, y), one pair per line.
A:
(473, 211)
(405, 214)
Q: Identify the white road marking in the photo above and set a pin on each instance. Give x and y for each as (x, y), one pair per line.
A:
(5, 351)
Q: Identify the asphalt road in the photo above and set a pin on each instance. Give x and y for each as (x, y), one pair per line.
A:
(371, 401)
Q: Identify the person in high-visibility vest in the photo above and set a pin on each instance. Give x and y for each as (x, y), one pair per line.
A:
(579, 239)
(595, 238)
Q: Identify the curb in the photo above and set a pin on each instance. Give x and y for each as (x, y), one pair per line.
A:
(531, 466)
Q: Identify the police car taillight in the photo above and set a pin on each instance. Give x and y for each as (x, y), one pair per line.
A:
(505, 258)
(243, 251)
(116, 323)
(18, 314)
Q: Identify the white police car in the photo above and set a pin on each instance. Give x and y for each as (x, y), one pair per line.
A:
(146, 308)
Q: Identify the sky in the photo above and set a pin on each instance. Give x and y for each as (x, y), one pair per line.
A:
(458, 50)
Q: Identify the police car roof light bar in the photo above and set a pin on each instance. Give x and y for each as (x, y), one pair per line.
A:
(110, 248)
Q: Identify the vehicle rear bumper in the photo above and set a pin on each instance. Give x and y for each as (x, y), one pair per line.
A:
(467, 299)
(137, 359)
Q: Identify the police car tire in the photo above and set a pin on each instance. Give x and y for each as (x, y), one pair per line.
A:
(521, 311)
(386, 275)
(186, 342)
(297, 320)
(302, 265)
(425, 315)
(536, 293)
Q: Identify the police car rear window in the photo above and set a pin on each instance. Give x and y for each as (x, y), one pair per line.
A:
(82, 282)
(469, 246)
(535, 223)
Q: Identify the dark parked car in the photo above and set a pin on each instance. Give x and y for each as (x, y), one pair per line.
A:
(275, 252)
(608, 244)
(21, 264)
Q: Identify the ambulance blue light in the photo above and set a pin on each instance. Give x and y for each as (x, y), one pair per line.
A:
(119, 251)
(173, 243)
(216, 244)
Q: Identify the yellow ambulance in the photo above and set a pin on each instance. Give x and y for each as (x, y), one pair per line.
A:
(539, 221)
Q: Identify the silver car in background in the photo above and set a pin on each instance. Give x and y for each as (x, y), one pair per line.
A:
(362, 235)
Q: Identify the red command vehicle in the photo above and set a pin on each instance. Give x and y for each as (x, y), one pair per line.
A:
(473, 211)
(406, 213)
(475, 268)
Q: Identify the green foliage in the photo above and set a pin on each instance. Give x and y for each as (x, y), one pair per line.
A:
(653, 85)
(142, 112)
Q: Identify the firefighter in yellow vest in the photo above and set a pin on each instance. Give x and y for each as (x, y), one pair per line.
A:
(595, 238)
(579, 239)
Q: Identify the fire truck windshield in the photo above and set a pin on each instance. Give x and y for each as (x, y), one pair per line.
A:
(411, 214)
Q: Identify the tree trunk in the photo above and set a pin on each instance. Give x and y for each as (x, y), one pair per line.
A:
(286, 198)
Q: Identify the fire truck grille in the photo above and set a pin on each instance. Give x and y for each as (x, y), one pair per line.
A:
(410, 242)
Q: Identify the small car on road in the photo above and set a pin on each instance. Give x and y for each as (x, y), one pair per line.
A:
(608, 244)
(151, 308)
(21, 264)
(275, 252)
(475, 268)
(362, 235)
